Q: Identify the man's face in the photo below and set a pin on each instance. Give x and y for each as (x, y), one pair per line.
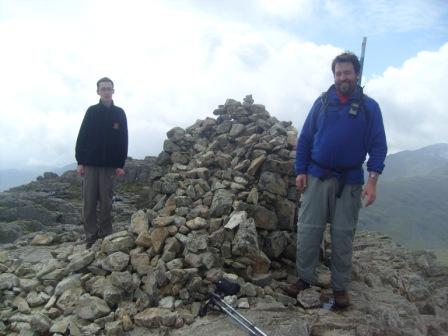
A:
(345, 78)
(105, 91)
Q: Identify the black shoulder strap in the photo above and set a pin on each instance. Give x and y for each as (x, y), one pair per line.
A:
(322, 109)
(363, 106)
(356, 106)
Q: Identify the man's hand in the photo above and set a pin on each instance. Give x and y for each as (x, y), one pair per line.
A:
(119, 172)
(301, 182)
(80, 170)
(369, 193)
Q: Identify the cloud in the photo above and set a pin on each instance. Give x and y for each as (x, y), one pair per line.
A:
(170, 67)
(287, 9)
(412, 100)
(173, 63)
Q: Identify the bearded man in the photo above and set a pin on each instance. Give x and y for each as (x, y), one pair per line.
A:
(342, 127)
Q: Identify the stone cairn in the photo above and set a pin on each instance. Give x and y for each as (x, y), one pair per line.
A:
(225, 206)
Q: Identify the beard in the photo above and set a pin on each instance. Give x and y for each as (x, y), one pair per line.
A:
(345, 88)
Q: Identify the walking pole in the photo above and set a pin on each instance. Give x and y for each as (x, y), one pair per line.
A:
(249, 327)
(361, 61)
(235, 315)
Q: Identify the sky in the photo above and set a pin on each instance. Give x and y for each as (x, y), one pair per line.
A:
(173, 62)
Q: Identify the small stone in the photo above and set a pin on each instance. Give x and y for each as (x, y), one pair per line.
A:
(309, 298)
(243, 303)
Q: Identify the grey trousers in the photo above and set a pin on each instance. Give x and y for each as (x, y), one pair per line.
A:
(320, 206)
(97, 189)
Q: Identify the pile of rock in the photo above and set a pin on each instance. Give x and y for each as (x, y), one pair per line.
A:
(228, 198)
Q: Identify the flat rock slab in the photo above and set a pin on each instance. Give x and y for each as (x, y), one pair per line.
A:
(32, 254)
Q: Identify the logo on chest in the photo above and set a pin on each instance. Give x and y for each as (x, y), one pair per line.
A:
(116, 125)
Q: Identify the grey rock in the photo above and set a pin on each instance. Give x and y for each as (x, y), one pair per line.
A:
(221, 203)
(67, 283)
(236, 130)
(36, 299)
(144, 240)
(236, 219)
(281, 167)
(114, 328)
(140, 262)
(139, 222)
(119, 241)
(415, 288)
(273, 183)
(176, 134)
(80, 261)
(264, 218)
(116, 261)
(29, 284)
(21, 304)
(197, 223)
(40, 323)
(47, 267)
(44, 239)
(68, 300)
(8, 281)
(256, 164)
(167, 302)
(158, 236)
(286, 211)
(175, 264)
(197, 242)
(170, 147)
(91, 307)
(123, 280)
(284, 299)
(61, 326)
(275, 243)
(155, 317)
(309, 298)
(245, 242)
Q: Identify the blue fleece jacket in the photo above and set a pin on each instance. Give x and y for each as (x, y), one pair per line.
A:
(336, 143)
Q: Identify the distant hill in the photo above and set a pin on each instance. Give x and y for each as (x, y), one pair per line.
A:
(10, 178)
(412, 202)
(424, 161)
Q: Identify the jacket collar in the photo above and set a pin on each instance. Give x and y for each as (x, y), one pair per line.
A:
(102, 104)
(356, 95)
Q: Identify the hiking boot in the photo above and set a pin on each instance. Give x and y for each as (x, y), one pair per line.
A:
(341, 299)
(294, 289)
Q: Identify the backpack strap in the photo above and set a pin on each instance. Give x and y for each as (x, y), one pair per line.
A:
(322, 109)
(355, 107)
(364, 107)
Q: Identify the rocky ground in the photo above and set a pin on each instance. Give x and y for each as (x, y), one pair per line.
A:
(394, 292)
(218, 202)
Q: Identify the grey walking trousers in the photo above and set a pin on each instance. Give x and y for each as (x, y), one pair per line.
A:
(320, 206)
(97, 188)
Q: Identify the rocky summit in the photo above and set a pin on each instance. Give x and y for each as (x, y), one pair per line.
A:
(218, 202)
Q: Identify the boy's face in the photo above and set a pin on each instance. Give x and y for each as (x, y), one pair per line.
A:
(105, 91)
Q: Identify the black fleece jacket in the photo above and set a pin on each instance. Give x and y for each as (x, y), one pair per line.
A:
(103, 137)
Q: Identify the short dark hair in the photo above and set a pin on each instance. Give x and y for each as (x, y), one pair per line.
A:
(104, 79)
(347, 57)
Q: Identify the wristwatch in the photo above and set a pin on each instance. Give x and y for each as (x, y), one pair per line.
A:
(373, 175)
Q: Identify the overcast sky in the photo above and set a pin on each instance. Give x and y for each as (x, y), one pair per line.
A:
(173, 62)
